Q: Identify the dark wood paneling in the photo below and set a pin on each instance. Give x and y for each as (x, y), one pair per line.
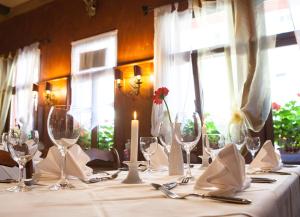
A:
(64, 21)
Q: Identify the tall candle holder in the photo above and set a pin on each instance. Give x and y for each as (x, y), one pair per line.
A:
(133, 172)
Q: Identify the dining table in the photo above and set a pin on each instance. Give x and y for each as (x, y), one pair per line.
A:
(113, 198)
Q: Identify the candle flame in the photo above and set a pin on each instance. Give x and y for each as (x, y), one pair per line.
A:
(134, 115)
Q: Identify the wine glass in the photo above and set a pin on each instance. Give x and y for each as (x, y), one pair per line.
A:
(22, 148)
(64, 130)
(148, 147)
(252, 145)
(237, 134)
(213, 143)
(188, 134)
(165, 136)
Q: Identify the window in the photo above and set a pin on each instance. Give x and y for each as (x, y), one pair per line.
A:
(92, 86)
(285, 75)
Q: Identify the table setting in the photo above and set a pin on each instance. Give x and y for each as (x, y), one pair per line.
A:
(168, 187)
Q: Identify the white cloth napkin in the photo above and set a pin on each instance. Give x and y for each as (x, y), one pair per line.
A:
(226, 174)
(159, 160)
(76, 161)
(267, 158)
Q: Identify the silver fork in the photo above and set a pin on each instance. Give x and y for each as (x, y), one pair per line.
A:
(95, 180)
(173, 195)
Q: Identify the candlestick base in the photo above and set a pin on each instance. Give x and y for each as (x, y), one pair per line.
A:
(133, 173)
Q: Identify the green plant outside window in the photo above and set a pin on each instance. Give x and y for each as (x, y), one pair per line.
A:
(286, 122)
(105, 138)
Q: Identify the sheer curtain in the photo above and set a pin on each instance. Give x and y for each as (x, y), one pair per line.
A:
(239, 76)
(92, 83)
(294, 10)
(7, 69)
(172, 62)
(27, 73)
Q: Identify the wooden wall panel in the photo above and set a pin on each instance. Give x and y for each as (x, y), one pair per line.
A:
(64, 21)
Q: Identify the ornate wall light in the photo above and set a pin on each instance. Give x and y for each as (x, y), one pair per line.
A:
(49, 97)
(136, 84)
(118, 77)
(90, 7)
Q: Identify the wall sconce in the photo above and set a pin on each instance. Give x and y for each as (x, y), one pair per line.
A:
(118, 77)
(137, 80)
(35, 90)
(90, 7)
(49, 97)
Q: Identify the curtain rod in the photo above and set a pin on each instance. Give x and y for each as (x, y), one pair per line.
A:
(147, 9)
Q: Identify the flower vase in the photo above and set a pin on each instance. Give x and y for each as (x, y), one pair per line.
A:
(176, 166)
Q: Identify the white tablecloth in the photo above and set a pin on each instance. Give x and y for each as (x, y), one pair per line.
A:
(114, 199)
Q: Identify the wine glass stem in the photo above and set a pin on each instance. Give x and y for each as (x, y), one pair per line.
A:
(63, 168)
(188, 160)
(21, 172)
(148, 163)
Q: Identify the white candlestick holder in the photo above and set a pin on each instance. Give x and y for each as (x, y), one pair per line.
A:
(133, 172)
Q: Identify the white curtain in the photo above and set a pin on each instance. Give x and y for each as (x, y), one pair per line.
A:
(172, 62)
(294, 10)
(240, 76)
(7, 69)
(92, 83)
(27, 73)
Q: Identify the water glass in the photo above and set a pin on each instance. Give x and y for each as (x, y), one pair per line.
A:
(148, 147)
(22, 147)
(237, 134)
(252, 144)
(188, 135)
(213, 143)
(64, 130)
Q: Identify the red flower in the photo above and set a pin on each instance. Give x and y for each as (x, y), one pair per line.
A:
(298, 94)
(275, 106)
(159, 95)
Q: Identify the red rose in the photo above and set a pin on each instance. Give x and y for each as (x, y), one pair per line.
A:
(159, 95)
(275, 106)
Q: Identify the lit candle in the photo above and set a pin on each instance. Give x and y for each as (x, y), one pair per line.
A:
(134, 139)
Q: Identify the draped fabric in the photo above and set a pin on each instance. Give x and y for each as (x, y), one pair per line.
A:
(7, 69)
(247, 90)
(27, 73)
(237, 27)
(172, 62)
(250, 55)
(294, 6)
(92, 83)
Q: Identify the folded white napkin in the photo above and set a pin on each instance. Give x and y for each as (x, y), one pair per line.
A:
(76, 161)
(159, 160)
(226, 174)
(267, 158)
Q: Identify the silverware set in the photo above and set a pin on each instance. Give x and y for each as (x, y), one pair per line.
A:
(226, 199)
(104, 178)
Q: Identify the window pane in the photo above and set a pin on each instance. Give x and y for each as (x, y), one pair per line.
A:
(215, 89)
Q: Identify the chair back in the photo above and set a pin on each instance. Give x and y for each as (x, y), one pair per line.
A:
(103, 159)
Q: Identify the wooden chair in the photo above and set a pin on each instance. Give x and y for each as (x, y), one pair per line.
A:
(103, 160)
(6, 160)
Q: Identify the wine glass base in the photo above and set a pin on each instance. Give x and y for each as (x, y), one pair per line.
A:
(19, 188)
(61, 186)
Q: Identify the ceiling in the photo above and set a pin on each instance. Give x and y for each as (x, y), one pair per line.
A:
(12, 8)
(12, 3)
